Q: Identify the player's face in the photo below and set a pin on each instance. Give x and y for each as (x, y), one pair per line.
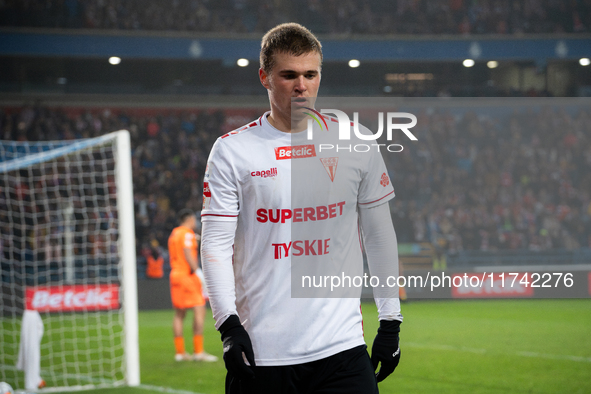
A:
(292, 77)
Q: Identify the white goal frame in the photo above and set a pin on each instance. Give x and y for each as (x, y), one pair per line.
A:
(125, 242)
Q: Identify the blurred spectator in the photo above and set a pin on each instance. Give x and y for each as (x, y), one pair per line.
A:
(154, 260)
(321, 16)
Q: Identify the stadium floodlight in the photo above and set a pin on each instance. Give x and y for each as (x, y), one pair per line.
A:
(584, 61)
(468, 63)
(354, 63)
(242, 62)
(69, 254)
(492, 64)
(114, 60)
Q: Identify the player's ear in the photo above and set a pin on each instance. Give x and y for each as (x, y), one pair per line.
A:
(264, 78)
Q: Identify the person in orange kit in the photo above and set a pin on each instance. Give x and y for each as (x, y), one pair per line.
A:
(185, 287)
(154, 261)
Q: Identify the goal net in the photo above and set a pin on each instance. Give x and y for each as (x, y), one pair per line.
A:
(67, 251)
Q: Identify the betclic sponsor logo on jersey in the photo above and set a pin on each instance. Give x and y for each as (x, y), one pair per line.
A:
(72, 298)
(296, 215)
(315, 247)
(295, 152)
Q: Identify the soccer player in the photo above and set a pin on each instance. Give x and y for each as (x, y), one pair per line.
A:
(185, 287)
(273, 342)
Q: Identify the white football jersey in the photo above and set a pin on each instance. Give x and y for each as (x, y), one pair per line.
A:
(293, 204)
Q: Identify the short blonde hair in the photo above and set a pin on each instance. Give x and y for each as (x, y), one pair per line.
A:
(291, 38)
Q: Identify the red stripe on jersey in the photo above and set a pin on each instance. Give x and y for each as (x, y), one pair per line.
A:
(224, 216)
(231, 133)
(365, 203)
(243, 128)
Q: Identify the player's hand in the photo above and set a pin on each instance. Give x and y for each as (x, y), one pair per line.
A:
(385, 348)
(236, 342)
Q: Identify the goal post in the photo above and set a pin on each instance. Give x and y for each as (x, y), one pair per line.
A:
(127, 253)
(67, 251)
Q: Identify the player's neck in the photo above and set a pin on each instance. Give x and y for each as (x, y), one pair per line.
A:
(284, 124)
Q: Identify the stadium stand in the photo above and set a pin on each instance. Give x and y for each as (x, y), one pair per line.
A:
(486, 186)
(417, 17)
(472, 185)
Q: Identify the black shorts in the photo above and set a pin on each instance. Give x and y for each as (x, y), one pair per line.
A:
(347, 372)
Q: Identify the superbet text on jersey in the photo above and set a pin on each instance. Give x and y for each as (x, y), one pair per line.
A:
(294, 207)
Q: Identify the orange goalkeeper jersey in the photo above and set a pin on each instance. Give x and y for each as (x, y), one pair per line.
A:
(181, 238)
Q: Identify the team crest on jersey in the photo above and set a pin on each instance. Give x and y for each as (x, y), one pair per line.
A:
(385, 180)
(330, 165)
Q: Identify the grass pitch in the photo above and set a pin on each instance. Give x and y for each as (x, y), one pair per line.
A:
(476, 346)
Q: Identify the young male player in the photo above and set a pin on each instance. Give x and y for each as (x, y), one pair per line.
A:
(185, 287)
(273, 342)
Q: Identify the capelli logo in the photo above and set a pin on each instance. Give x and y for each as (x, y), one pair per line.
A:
(272, 172)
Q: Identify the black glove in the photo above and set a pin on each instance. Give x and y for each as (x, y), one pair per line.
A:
(236, 341)
(385, 348)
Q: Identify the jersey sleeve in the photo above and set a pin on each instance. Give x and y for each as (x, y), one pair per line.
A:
(376, 187)
(220, 186)
(189, 240)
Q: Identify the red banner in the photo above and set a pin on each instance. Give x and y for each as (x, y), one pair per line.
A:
(74, 298)
(495, 285)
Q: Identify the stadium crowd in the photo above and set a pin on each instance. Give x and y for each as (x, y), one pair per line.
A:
(494, 183)
(474, 182)
(322, 16)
